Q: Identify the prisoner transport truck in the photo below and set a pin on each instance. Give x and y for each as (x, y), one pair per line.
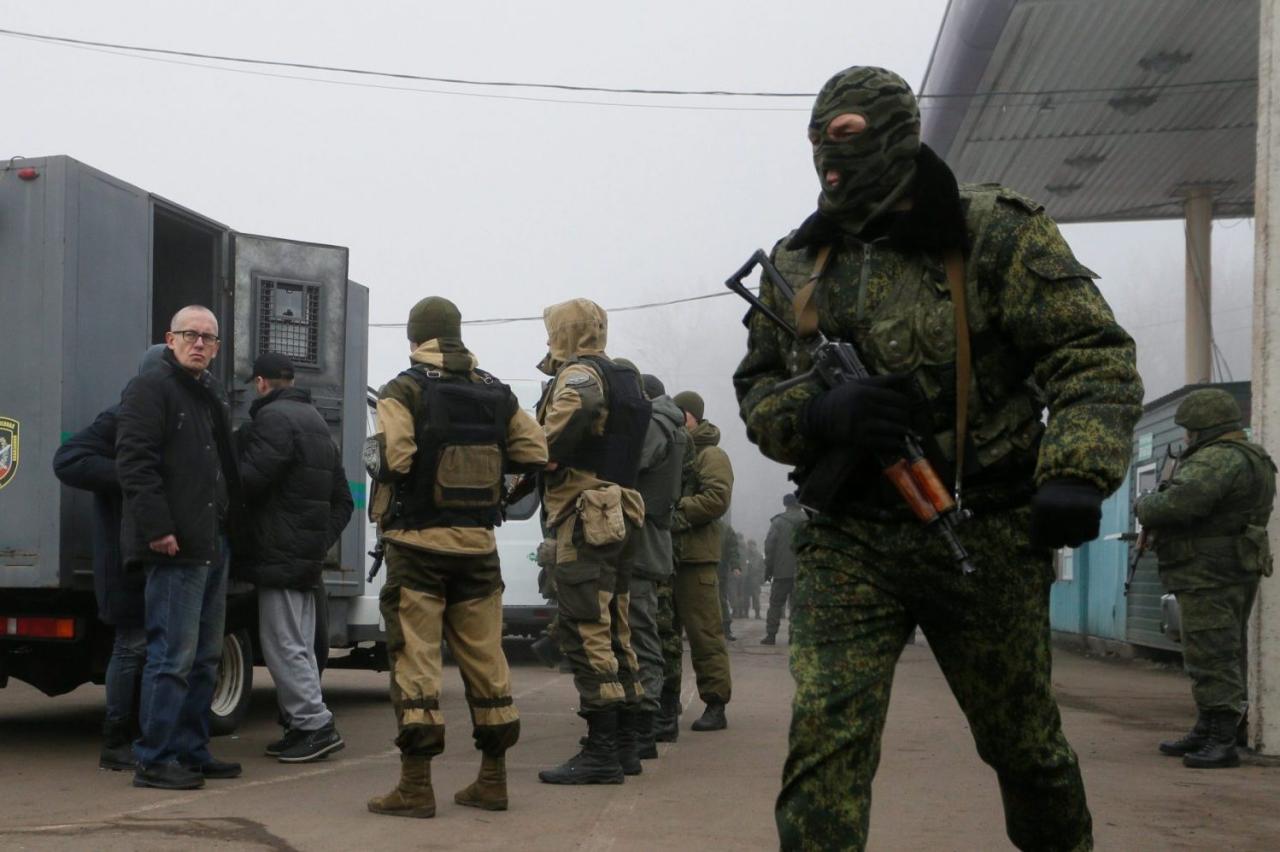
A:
(91, 270)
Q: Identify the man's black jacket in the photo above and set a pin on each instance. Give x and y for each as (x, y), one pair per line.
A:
(176, 465)
(88, 461)
(296, 493)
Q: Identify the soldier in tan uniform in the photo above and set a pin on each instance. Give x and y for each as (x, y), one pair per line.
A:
(595, 416)
(447, 433)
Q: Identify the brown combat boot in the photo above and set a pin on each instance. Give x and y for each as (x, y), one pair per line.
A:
(489, 790)
(413, 796)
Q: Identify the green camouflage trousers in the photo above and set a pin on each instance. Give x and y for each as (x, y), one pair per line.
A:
(672, 643)
(861, 590)
(1214, 625)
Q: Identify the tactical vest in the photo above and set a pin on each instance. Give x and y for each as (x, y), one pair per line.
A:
(660, 485)
(456, 479)
(913, 332)
(615, 455)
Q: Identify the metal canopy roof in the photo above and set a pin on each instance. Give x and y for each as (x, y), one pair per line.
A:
(1103, 110)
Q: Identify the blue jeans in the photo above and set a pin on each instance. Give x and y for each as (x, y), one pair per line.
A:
(124, 669)
(186, 608)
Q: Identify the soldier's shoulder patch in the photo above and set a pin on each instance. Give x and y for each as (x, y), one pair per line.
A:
(577, 380)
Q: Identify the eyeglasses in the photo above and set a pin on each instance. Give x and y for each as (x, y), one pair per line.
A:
(191, 336)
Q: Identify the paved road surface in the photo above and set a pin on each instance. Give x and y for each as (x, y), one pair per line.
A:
(709, 791)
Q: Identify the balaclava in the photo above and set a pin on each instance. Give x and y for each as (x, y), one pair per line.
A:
(878, 165)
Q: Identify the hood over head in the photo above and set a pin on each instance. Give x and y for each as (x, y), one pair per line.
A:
(574, 328)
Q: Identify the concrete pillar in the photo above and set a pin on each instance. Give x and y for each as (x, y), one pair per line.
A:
(1264, 630)
(1199, 286)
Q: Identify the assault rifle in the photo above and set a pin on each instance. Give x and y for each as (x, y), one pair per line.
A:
(836, 362)
(1146, 539)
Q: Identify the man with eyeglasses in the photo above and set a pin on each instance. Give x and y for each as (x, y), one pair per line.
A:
(178, 475)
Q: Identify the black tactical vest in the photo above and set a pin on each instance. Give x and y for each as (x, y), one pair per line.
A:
(460, 428)
(615, 455)
(660, 485)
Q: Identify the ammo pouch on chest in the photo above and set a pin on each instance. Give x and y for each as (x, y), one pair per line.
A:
(600, 513)
(457, 474)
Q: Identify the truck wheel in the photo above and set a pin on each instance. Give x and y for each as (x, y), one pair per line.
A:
(234, 687)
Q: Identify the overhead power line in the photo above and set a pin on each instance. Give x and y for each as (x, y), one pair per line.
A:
(568, 87)
(624, 309)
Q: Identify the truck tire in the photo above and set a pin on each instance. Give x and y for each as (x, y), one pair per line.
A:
(234, 687)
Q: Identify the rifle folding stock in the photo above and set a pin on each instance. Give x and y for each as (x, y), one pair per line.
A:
(837, 362)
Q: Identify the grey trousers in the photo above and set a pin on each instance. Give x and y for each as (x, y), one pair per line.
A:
(779, 592)
(645, 641)
(287, 628)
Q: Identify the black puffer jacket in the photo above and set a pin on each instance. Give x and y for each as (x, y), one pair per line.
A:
(88, 461)
(296, 493)
(176, 465)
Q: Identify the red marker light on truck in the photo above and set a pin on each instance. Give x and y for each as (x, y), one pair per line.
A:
(28, 173)
(29, 627)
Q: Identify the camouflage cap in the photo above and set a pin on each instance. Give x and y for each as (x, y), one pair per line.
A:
(1207, 408)
(692, 403)
(877, 165)
(434, 318)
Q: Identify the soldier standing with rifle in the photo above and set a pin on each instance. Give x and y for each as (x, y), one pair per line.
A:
(973, 316)
(1210, 525)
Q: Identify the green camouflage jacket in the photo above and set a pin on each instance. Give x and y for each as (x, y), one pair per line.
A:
(1210, 518)
(1041, 336)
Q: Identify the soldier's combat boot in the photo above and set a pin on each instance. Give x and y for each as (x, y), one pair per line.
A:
(666, 727)
(489, 790)
(413, 796)
(645, 746)
(769, 639)
(117, 747)
(628, 759)
(712, 719)
(597, 763)
(1219, 752)
(1191, 741)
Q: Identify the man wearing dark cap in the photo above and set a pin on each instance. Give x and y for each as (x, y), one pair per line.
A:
(297, 504)
(447, 434)
(973, 317)
(1209, 523)
(696, 532)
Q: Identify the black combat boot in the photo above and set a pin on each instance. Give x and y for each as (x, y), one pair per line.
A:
(712, 719)
(1193, 740)
(1219, 752)
(628, 759)
(769, 639)
(645, 745)
(117, 746)
(666, 726)
(597, 763)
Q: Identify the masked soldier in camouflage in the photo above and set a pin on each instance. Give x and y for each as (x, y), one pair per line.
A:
(595, 416)
(447, 433)
(1209, 523)
(894, 219)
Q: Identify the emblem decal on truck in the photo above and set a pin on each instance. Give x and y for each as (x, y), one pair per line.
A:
(8, 450)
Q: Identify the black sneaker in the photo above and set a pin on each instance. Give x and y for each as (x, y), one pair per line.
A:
(313, 745)
(291, 736)
(167, 776)
(217, 769)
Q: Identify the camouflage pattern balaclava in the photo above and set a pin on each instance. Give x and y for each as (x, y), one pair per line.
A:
(878, 165)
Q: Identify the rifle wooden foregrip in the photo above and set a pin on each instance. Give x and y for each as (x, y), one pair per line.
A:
(931, 484)
(899, 473)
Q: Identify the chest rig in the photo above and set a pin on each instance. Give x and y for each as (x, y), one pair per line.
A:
(898, 309)
(460, 427)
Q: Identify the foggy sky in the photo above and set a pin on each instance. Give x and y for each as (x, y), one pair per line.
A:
(506, 206)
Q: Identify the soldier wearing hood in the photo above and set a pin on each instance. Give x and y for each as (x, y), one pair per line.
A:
(893, 238)
(595, 417)
(447, 434)
(1210, 526)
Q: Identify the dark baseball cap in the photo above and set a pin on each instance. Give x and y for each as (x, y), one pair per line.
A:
(271, 365)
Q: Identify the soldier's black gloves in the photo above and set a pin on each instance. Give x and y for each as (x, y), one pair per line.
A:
(871, 414)
(1065, 513)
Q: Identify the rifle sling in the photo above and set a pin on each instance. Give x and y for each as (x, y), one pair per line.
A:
(806, 311)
